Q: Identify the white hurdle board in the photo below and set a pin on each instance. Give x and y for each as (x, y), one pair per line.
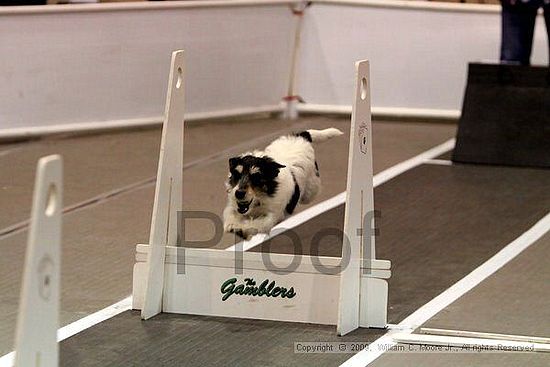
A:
(265, 285)
(38, 319)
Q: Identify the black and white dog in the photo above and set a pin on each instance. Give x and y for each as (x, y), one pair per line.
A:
(265, 186)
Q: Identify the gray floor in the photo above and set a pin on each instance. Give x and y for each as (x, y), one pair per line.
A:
(109, 185)
(184, 340)
(514, 300)
(505, 359)
(437, 225)
(447, 219)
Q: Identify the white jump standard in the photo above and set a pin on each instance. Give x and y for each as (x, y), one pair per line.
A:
(38, 318)
(268, 286)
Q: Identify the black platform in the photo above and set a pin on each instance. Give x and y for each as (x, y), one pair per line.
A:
(505, 116)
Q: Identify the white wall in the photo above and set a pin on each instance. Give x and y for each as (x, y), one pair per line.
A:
(66, 67)
(107, 64)
(419, 53)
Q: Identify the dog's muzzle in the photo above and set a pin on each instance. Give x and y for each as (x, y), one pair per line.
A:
(242, 206)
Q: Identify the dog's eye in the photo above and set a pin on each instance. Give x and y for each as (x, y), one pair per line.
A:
(234, 177)
(256, 178)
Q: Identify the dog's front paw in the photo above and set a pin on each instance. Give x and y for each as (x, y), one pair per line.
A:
(238, 232)
(230, 227)
(234, 228)
(248, 233)
(244, 233)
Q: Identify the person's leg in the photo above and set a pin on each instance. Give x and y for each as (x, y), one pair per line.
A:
(518, 24)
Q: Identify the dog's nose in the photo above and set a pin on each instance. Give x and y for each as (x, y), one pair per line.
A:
(240, 194)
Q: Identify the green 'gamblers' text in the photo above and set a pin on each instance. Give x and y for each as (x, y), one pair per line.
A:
(249, 288)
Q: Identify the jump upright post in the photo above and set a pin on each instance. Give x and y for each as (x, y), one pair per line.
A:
(38, 318)
(169, 277)
(168, 190)
(358, 249)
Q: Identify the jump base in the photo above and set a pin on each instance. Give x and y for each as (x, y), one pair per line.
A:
(195, 278)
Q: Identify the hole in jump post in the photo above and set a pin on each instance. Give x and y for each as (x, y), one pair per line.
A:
(180, 78)
(51, 200)
(364, 87)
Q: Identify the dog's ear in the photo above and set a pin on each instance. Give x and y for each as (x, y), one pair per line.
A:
(278, 165)
(271, 168)
(233, 162)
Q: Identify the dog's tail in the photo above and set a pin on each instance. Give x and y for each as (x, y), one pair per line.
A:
(317, 136)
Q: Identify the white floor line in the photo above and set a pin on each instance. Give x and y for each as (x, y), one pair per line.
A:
(485, 335)
(126, 304)
(424, 313)
(461, 341)
(440, 162)
(7, 360)
(82, 324)
(9, 150)
(413, 162)
(339, 199)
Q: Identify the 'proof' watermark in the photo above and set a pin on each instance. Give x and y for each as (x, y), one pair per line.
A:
(312, 247)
